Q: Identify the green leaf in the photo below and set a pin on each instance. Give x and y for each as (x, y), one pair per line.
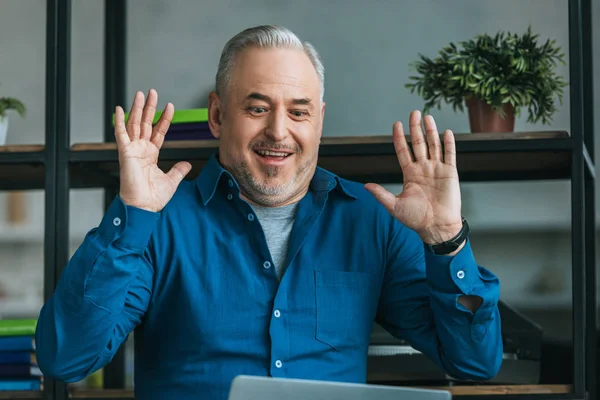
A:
(505, 68)
(10, 103)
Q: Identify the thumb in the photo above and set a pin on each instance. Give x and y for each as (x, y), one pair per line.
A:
(387, 199)
(179, 171)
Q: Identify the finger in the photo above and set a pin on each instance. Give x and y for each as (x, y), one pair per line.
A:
(121, 136)
(179, 171)
(148, 115)
(433, 138)
(450, 148)
(162, 126)
(419, 146)
(402, 150)
(135, 116)
(387, 199)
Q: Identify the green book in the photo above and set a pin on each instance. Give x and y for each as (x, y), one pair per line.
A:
(17, 327)
(181, 116)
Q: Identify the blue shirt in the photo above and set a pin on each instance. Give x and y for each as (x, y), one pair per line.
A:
(196, 282)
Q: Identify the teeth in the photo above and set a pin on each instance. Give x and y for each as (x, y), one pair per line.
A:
(271, 153)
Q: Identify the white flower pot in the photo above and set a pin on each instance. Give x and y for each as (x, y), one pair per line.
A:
(3, 130)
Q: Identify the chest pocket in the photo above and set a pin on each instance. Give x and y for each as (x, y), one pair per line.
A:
(345, 304)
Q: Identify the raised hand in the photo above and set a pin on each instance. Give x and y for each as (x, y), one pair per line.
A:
(430, 202)
(143, 184)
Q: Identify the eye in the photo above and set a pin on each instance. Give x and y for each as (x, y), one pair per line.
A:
(257, 110)
(299, 113)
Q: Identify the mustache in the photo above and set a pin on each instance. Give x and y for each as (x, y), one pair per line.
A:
(274, 145)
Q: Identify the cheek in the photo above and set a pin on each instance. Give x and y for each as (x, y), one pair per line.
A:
(308, 139)
(239, 135)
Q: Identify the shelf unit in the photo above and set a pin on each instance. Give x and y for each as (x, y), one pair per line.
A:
(57, 167)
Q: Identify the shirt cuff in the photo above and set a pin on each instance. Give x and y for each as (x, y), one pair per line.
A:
(126, 225)
(452, 274)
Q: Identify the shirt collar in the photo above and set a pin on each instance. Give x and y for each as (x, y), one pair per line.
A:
(212, 173)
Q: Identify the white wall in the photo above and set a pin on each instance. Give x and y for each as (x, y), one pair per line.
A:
(366, 47)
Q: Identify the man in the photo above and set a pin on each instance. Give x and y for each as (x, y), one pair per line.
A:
(266, 264)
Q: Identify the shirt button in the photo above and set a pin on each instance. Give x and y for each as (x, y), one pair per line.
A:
(250, 217)
(230, 183)
(278, 363)
(267, 265)
(277, 313)
(460, 274)
(117, 221)
(229, 196)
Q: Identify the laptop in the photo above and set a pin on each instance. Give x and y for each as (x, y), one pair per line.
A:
(245, 387)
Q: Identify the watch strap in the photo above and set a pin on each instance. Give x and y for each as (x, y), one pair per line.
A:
(450, 245)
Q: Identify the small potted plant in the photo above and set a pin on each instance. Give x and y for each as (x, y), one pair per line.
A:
(6, 104)
(495, 77)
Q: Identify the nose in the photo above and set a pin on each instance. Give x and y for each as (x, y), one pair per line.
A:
(276, 126)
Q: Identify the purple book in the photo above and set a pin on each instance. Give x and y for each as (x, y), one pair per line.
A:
(191, 126)
(191, 135)
(189, 131)
(19, 370)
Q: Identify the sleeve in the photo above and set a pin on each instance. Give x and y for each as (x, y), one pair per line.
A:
(100, 298)
(419, 304)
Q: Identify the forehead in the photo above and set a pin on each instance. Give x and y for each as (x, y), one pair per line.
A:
(274, 72)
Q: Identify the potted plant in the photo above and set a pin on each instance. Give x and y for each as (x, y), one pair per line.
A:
(8, 103)
(495, 77)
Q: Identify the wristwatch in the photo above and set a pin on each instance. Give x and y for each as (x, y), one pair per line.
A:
(451, 245)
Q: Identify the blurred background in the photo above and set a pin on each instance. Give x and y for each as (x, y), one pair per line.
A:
(520, 230)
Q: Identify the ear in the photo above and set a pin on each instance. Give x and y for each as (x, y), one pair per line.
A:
(214, 114)
(322, 119)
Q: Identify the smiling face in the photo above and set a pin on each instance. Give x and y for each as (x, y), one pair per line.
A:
(269, 122)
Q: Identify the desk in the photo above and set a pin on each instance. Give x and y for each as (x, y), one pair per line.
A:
(455, 390)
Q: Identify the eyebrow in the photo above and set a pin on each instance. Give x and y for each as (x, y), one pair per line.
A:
(263, 97)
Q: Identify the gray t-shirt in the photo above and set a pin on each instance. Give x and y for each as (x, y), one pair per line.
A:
(277, 223)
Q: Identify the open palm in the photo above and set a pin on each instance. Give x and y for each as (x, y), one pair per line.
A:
(142, 183)
(430, 201)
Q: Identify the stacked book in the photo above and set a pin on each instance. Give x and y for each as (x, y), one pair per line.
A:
(189, 124)
(18, 365)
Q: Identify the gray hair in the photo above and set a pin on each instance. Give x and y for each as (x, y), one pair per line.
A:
(264, 36)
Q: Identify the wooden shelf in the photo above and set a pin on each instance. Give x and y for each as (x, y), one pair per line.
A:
(505, 389)
(481, 156)
(513, 156)
(22, 167)
(102, 394)
(22, 148)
